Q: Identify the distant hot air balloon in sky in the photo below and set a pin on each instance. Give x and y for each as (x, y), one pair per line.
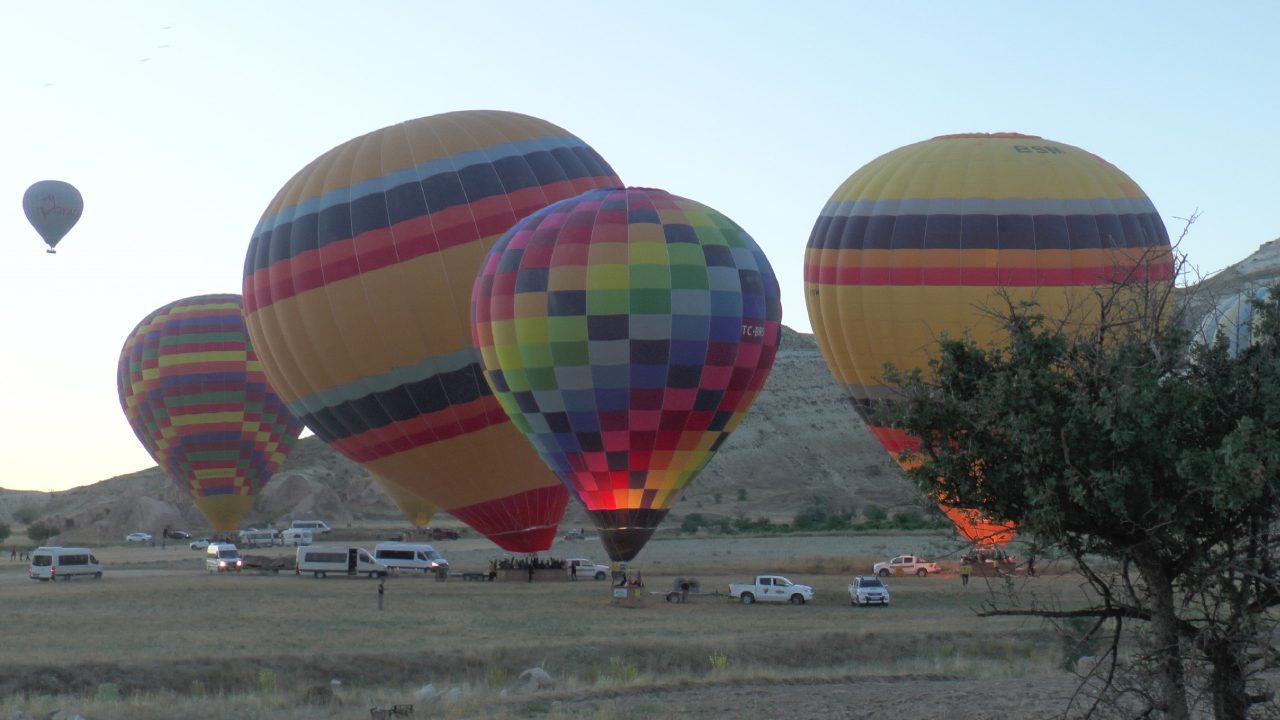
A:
(917, 243)
(195, 394)
(53, 207)
(357, 295)
(626, 333)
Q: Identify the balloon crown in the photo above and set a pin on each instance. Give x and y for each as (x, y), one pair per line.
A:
(1010, 135)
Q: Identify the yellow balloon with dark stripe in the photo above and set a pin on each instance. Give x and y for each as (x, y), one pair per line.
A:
(923, 241)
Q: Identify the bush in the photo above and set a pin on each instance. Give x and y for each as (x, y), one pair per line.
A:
(874, 514)
(5, 531)
(692, 522)
(742, 494)
(39, 532)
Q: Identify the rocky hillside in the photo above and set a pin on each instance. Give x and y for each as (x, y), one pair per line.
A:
(801, 444)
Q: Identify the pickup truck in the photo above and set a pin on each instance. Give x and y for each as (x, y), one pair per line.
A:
(905, 565)
(585, 569)
(771, 588)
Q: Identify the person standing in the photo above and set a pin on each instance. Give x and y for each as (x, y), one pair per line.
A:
(965, 569)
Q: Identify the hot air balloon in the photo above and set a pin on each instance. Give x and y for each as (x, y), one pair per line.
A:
(1233, 317)
(917, 243)
(357, 295)
(195, 394)
(626, 333)
(416, 510)
(53, 207)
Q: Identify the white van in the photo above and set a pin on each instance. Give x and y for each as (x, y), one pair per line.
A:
(318, 527)
(53, 563)
(410, 556)
(255, 538)
(296, 537)
(222, 557)
(320, 560)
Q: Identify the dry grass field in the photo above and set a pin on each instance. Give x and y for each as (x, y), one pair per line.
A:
(160, 638)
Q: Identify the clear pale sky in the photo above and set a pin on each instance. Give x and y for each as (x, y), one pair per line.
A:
(179, 121)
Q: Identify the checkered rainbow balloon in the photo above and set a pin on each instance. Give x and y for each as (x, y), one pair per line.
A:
(626, 333)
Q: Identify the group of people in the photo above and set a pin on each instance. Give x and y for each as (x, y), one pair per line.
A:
(15, 554)
(1003, 563)
(532, 562)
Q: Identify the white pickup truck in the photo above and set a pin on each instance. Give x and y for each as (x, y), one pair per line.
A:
(906, 565)
(771, 588)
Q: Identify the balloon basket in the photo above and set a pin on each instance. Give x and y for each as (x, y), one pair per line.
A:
(629, 596)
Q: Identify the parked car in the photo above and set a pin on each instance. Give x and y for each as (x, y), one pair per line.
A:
(200, 544)
(443, 534)
(771, 588)
(905, 565)
(586, 569)
(138, 537)
(868, 590)
(576, 534)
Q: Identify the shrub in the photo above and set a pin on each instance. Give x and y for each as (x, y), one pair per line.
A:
(620, 671)
(107, 692)
(692, 522)
(718, 661)
(266, 682)
(742, 494)
(40, 531)
(874, 514)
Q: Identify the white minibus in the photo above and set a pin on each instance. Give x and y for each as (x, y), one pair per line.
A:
(410, 556)
(63, 563)
(320, 560)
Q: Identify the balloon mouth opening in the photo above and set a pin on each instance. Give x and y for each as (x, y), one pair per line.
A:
(625, 532)
(994, 135)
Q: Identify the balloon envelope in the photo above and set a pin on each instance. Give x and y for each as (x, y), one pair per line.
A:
(357, 294)
(626, 333)
(53, 207)
(917, 244)
(1232, 317)
(195, 394)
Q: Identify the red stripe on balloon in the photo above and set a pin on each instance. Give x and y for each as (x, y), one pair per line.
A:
(422, 235)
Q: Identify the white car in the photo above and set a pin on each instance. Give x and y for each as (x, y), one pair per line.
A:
(586, 569)
(138, 537)
(906, 565)
(868, 590)
(200, 544)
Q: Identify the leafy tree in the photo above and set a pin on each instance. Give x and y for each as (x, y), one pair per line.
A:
(1155, 469)
(5, 531)
(40, 531)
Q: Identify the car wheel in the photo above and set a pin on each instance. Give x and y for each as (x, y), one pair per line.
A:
(797, 599)
(921, 572)
(97, 576)
(884, 572)
(599, 576)
(748, 598)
